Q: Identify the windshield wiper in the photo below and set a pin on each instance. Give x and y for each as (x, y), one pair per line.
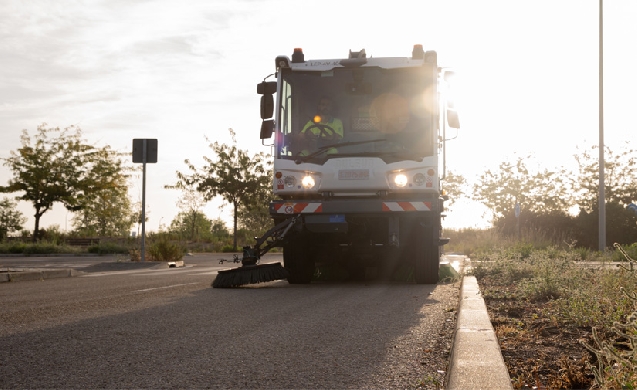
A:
(325, 148)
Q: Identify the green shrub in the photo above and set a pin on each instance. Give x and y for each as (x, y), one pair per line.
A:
(582, 253)
(625, 253)
(507, 265)
(198, 247)
(164, 250)
(520, 250)
(108, 248)
(227, 249)
(41, 249)
(12, 247)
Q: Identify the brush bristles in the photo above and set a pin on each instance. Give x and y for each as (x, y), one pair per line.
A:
(249, 275)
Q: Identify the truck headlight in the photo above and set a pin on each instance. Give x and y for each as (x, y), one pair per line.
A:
(400, 180)
(308, 181)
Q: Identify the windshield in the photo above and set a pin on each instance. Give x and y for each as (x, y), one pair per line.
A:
(357, 112)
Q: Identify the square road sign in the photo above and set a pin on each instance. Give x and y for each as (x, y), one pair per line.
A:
(138, 150)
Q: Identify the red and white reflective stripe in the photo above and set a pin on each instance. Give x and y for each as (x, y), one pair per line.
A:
(406, 206)
(296, 208)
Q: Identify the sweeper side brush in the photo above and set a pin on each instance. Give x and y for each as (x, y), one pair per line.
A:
(250, 271)
(249, 274)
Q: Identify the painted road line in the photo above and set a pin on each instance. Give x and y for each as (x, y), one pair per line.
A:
(165, 287)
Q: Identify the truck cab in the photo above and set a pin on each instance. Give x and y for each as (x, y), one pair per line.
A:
(356, 145)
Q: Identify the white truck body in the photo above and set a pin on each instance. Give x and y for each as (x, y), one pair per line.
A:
(368, 199)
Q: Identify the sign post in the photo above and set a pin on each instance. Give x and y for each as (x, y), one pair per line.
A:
(144, 151)
(517, 217)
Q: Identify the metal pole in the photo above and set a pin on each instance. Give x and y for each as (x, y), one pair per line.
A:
(602, 194)
(144, 148)
(444, 139)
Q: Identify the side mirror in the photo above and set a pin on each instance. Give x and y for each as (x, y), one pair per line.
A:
(267, 128)
(267, 106)
(266, 88)
(453, 120)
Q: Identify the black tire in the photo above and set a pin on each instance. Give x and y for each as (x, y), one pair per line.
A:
(297, 261)
(426, 255)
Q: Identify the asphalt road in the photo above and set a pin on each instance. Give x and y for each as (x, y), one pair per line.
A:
(142, 326)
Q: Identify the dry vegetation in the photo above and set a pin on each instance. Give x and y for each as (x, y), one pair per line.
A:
(564, 316)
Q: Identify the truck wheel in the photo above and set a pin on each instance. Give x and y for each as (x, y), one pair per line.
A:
(297, 262)
(426, 255)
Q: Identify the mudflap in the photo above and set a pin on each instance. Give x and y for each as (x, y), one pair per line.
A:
(297, 259)
(426, 253)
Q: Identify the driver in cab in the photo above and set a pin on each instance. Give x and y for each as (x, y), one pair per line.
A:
(324, 125)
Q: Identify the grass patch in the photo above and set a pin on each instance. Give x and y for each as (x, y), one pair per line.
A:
(40, 248)
(472, 242)
(578, 288)
(108, 248)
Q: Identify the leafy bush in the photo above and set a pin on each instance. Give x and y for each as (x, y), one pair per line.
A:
(164, 250)
(505, 264)
(28, 248)
(583, 253)
(108, 248)
(43, 248)
(199, 247)
(625, 253)
(227, 249)
(12, 247)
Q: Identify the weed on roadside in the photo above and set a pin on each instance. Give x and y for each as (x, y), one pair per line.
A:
(546, 302)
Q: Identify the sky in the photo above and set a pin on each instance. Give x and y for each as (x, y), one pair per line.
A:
(184, 72)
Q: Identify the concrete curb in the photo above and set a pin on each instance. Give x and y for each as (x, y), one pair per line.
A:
(176, 264)
(27, 274)
(55, 255)
(22, 275)
(476, 359)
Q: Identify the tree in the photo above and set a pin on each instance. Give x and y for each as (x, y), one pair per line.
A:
(219, 229)
(621, 229)
(620, 170)
(107, 211)
(190, 203)
(191, 225)
(137, 214)
(454, 187)
(231, 174)
(11, 220)
(256, 218)
(58, 166)
(547, 196)
(545, 191)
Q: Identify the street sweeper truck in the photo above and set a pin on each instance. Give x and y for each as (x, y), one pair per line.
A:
(358, 149)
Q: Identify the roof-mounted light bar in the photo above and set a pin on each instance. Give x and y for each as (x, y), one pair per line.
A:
(355, 59)
(298, 56)
(357, 54)
(418, 53)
